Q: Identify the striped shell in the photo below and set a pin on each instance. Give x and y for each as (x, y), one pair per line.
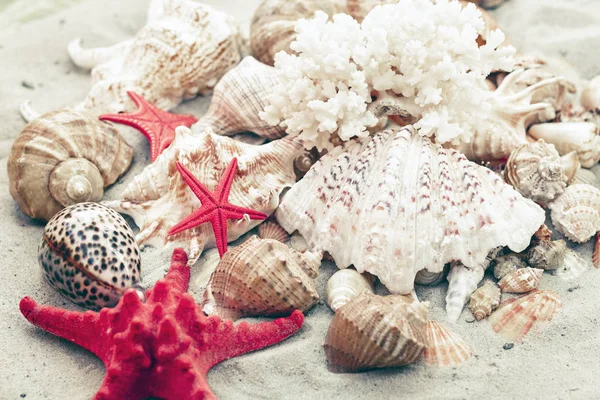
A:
(485, 300)
(346, 284)
(444, 347)
(576, 213)
(62, 158)
(272, 230)
(372, 331)
(523, 280)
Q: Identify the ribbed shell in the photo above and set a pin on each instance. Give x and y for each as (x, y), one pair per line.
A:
(183, 49)
(485, 300)
(62, 158)
(547, 254)
(396, 203)
(536, 171)
(272, 230)
(462, 282)
(523, 280)
(373, 331)
(576, 213)
(345, 285)
(425, 277)
(515, 317)
(506, 264)
(444, 347)
(586, 176)
(262, 277)
(572, 266)
(581, 137)
(238, 98)
(159, 198)
(596, 254)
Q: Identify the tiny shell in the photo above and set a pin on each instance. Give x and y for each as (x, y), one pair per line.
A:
(376, 332)
(523, 280)
(88, 254)
(590, 96)
(544, 233)
(506, 264)
(547, 254)
(515, 317)
(596, 254)
(572, 266)
(262, 277)
(272, 230)
(571, 136)
(444, 347)
(485, 300)
(576, 213)
(345, 285)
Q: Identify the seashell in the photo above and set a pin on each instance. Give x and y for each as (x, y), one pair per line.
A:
(462, 282)
(159, 198)
(345, 285)
(372, 331)
(537, 171)
(424, 277)
(585, 176)
(544, 233)
(515, 317)
(237, 99)
(262, 277)
(523, 280)
(576, 213)
(488, 3)
(596, 254)
(444, 347)
(183, 50)
(505, 130)
(573, 266)
(305, 161)
(485, 300)
(571, 136)
(590, 96)
(298, 242)
(384, 204)
(88, 255)
(272, 230)
(547, 254)
(507, 264)
(62, 158)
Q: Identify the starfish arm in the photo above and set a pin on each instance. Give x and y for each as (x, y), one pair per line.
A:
(179, 273)
(198, 217)
(203, 194)
(219, 226)
(186, 380)
(122, 381)
(79, 328)
(236, 212)
(224, 187)
(244, 338)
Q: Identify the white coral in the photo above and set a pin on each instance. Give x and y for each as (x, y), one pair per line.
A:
(423, 54)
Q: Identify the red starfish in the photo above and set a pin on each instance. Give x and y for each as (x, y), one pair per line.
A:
(163, 347)
(157, 125)
(215, 208)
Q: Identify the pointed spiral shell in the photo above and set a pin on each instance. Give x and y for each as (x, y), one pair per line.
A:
(345, 285)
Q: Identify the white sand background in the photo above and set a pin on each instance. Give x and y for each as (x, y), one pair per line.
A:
(556, 360)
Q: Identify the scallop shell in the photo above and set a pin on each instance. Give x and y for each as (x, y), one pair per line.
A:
(183, 49)
(444, 347)
(62, 158)
(547, 254)
(536, 170)
(159, 198)
(573, 266)
(523, 280)
(238, 98)
(88, 255)
(590, 96)
(396, 203)
(576, 213)
(272, 230)
(262, 277)
(515, 317)
(376, 332)
(345, 285)
(586, 176)
(507, 264)
(485, 300)
(571, 136)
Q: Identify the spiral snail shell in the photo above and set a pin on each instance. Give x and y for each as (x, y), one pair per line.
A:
(62, 158)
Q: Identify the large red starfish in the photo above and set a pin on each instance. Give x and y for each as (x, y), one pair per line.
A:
(157, 125)
(215, 208)
(163, 347)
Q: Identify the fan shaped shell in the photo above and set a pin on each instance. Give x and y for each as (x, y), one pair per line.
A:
(576, 213)
(272, 230)
(444, 347)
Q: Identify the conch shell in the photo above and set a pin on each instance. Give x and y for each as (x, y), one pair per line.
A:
(547, 254)
(238, 98)
(538, 172)
(571, 136)
(262, 277)
(576, 213)
(345, 285)
(183, 49)
(485, 300)
(159, 198)
(523, 280)
(376, 332)
(62, 158)
(444, 347)
(384, 204)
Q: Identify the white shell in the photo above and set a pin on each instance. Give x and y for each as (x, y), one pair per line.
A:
(345, 285)
(576, 213)
(584, 175)
(590, 96)
(571, 136)
(572, 266)
(396, 203)
(462, 282)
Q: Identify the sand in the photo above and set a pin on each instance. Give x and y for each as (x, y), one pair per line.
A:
(556, 360)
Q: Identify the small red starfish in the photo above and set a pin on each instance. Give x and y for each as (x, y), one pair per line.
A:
(163, 347)
(215, 208)
(157, 125)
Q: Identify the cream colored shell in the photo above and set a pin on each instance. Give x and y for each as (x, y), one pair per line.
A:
(576, 213)
(590, 96)
(354, 339)
(581, 137)
(523, 280)
(547, 254)
(262, 277)
(584, 175)
(346, 284)
(62, 158)
(506, 264)
(444, 347)
(485, 300)
(272, 230)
